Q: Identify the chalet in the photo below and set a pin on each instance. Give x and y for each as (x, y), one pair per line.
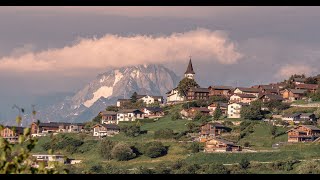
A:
(101, 130)
(108, 117)
(198, 93)
(291, 117)
(150, 99)
(153, 112)
(11, 133)
(129, 115)
(303, 133)
(267, 89)
(121, 102)
(270, 97)
(297, 81)
(173, 96)
(191, 112)
(220, 145)
(43, 129)
(223, 106)
(308, 87)
(210, 130)
(234, 109)
(297, 118)
(243, 98)
(294, 94)
(220, 91)
(242, 90)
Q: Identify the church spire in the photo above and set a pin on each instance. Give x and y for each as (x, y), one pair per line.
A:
(189, 68)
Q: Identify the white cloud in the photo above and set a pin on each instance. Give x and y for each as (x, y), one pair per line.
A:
(117, 51)
(290, 69)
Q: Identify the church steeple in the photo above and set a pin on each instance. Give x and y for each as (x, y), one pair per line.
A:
(189, 72)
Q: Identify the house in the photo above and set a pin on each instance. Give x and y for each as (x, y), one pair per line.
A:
(173, 96)
(150, 99)
(197, 93)
(294, 94)
(292, 117)
(243, 98)
(121, 102)
(267, 89)
(220, 145)
(242, 90)
(312, 88)
(303, 133)
(210, 130)
(101, 130)
(191, 112)
(270, 97)
(153, 112)
(220, 91)
(42, 129)
(108, 117)
(11, 133)
(234, 109)
(223, 106)
(129, 115)
(308, 117)
(297, 81)
(49, 158)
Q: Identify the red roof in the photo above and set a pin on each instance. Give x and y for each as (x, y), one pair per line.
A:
(307, 86)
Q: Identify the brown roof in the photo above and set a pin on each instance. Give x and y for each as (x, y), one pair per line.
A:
(221, 87)
(307, 86)
(105, 113)
(224, 141)
(130, 111)
(299, 79)
(18, 130)
(314, 128)
(272, 96)
(251, 90)
(298, 91)
(200, 90)
(189, 68)
(201, 109)
(245, 95)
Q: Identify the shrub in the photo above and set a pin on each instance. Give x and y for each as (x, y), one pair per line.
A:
(244, 163)
(246, 144)
(164, 134)
(122, 152)
(96, 169)
(214, 169)
(155, 149)
(105, 148)
(309, 167)
(175, 116)
(195, 147)
(131, 131)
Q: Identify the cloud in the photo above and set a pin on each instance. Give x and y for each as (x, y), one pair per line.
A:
(290, 69)
(117, 51)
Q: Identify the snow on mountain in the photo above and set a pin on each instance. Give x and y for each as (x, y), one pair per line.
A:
(107, 88)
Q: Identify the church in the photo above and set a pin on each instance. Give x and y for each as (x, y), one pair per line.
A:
(173, 95)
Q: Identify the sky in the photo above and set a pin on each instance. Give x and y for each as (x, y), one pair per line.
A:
(50, 50)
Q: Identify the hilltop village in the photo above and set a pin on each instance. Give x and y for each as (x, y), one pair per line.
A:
(217, 117)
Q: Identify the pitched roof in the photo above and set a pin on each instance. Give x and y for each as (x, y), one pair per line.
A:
(314, 128)
(224, 141)
(57, 124)
(128, 110)
(189, 68)
(307, 86)
(298, 91)
(272, 96)
(214, 104)
(251, 90)
(307, 114)
(202, 109)
(105, 113)
(292, 115)
(200, 89)
(154, 109)
(111, 126)
(18, 130)
(245, 95)
(221, 87)
(299, 79)
(217, 125)
(241, 103)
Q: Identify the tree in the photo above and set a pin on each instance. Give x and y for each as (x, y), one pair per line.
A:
(273, 130)
(213, 99)
(105, 148)
(97, 119)
(244, 163)
(134, 97)
(185, 84)
(214, 168)
(191, 126)
(112, 108)
(175, 116)
(217, 113)
(122, 152)
(198, 115)
(154, 149)
(18, 160)
(195, 147)
(131, 131)
(311, 80)
(252, 112)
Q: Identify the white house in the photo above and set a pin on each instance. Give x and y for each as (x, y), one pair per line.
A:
(244, 98)
(153, 112)
(151, 99)
(129, 115)
(234, 109)
(174, 96)
(101, 130)
(241, 90)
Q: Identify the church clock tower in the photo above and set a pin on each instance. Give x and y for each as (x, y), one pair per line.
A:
(189, 72)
